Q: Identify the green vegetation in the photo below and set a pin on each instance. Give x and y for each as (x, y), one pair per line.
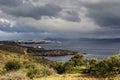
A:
(75, 64)
(22, 66)
(108, 67)
(14, 66)
(33, 73)
(58, 66)
(13, 48)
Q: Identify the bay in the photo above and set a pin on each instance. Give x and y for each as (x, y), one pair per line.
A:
(93, 49)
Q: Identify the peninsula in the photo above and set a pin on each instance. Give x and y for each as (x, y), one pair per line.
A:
(13, 46)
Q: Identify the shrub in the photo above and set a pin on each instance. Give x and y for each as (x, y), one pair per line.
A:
(68, 67)
(33, 73)
(12, 65)
(108, 67)
(90, 64)
(77, 60)
(58, 66)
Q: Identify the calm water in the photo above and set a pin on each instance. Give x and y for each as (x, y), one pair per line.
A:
(94, 49)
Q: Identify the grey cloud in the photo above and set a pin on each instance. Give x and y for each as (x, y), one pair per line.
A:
(19, 28)
(10, 3)
(36, 12)
(71, 16)
(29, 10)
(105, 14)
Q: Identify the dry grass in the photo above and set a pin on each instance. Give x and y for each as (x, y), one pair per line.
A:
(75, 77)
(6, 56)
(13, 76)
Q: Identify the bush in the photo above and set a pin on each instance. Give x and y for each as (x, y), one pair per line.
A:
(108, 67)
(12, 65)
(68, 67)
(33, 73)
(90, 64)
(75, 61)
(58, 66)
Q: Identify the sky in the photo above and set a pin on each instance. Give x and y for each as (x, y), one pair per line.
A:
(72, 19)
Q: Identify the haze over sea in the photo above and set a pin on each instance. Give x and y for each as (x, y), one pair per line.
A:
(93, 48)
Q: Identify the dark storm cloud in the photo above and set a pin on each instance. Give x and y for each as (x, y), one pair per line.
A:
(105, 14)
(10, 3)
(36, 12)
(67, 18)
(27, 9)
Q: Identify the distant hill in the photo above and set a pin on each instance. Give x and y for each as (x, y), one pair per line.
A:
(87, 39)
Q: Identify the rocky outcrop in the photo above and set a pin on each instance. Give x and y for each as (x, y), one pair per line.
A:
(43, 52)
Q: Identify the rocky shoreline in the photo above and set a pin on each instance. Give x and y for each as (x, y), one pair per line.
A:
(44, 52)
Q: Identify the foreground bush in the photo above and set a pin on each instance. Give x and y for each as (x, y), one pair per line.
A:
(90, 64)
(108, 67)
(58, 66)
(12, 65)
(72, 65)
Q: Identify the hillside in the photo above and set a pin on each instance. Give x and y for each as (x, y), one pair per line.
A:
(30, 63)
(19, 66)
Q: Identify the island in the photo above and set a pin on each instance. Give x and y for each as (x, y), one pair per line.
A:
(33, 41)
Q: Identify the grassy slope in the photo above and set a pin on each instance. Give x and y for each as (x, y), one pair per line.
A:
(24, 59)
(75, 77)
(5, 56)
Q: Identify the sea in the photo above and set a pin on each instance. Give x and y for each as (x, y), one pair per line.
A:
(92, 49)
